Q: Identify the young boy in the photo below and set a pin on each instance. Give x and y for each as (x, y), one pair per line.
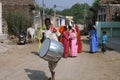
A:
(104, 41)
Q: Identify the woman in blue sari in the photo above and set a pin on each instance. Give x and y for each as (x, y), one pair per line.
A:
(93, 40)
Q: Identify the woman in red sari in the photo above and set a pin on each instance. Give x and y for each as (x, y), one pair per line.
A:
(78, 39)
(65, 38)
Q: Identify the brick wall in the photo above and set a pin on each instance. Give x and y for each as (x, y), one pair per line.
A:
(17, 5)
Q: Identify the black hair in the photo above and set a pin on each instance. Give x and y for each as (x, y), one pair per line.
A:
(69, 27)
(47, 19)
(104, 32)
(65, 28)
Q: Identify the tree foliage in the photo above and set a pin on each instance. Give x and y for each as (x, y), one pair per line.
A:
(18, 22)
(49, 11)
(80, 12)
(96, 3)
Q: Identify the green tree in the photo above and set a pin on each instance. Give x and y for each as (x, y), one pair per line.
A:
(18, 22)
(79, 12)
(49, 11)
(65, 12)
(96, 3)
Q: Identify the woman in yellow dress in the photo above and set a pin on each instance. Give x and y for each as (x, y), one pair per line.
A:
(39, 37)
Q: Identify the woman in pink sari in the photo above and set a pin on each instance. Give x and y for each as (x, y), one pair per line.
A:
(73, 43)
(78, 39)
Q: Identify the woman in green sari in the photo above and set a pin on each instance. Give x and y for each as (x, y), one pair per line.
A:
(40, 36)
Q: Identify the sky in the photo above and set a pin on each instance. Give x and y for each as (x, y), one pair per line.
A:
(62, 4)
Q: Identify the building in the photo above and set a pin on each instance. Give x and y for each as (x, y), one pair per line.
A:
(8, 6)
(107, 10)
(17, 5)
(107, 17)
(61, 20)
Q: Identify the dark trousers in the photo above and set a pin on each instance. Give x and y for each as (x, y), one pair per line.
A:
(103, 49)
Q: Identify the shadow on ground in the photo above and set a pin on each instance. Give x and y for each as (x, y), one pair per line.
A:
(91, 52)
(36, 75)
(85, 41)
(35, 53)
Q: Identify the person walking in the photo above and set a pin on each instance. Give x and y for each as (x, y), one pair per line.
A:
(104, 41)
(50, 32)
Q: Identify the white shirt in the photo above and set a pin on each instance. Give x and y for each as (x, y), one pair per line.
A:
(49, 34)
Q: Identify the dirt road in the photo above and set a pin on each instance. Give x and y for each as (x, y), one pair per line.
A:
(21, 62)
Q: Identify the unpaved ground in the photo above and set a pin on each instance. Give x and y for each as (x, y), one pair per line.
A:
(21, 62)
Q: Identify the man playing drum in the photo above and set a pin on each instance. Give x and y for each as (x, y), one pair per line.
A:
(50, 32)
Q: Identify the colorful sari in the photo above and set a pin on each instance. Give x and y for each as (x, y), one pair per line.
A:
(39, 37)
(78, 39)
(93, 41)
(65, 41)
(73, 43)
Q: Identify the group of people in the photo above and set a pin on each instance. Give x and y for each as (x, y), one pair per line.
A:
(68, 35)
(71, 39)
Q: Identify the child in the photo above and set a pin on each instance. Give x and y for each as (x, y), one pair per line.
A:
(104, 41)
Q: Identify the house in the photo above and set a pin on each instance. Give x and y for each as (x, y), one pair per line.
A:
(17, 5)
(111, 8)
(61, 20)
(107, 10)
(107, 17)
(8, 6)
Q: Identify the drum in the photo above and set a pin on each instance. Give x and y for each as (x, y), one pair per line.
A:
(51, 50)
